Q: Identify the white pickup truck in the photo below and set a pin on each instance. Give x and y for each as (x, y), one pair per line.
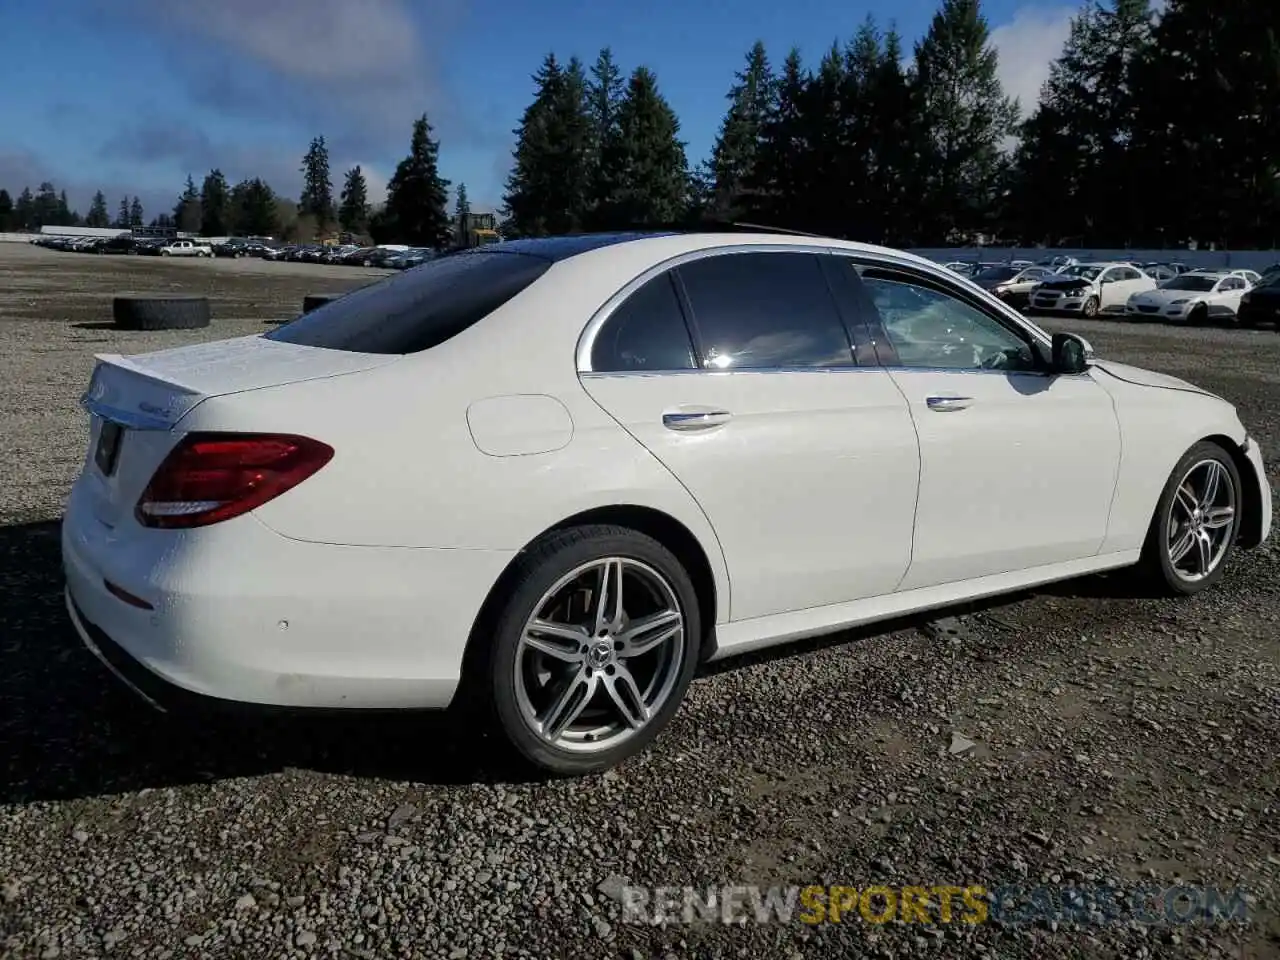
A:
(186, 248)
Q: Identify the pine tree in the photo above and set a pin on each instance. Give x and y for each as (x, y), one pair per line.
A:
(215, 218)
(122, 215)
(462, 216)
(1208, 124)
(967, 117)
(417, 195)
(353, 214)
(605, 91)
(317, 188)
(547, 190)
(98, 215)
(163, 222)
(733, 157)
(136, 219)
(647, 164)
(186, 213)
(1073, 176)
(776, 180)
(252, 206)
(24, 211)
(7, 217)
(45, 207)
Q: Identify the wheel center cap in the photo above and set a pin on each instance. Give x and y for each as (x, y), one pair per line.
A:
(601, 653)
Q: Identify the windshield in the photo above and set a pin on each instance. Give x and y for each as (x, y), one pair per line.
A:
(1082, 271)
(997, 274)
(1189, 282)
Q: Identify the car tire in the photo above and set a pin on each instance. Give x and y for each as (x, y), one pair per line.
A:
(1090, 308)
(1198, 316)
(1184, 514)
(565, 564)
(160, 312)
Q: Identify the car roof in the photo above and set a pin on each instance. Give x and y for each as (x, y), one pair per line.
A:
(1210, 273)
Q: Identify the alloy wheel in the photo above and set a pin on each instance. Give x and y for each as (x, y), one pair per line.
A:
(1201, 521)
(600, 656)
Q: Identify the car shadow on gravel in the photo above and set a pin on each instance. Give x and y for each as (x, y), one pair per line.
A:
(95, 325)
(69, 729)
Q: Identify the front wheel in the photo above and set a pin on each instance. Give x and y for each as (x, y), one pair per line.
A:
(1090, 309)
(594, 650)
(1195, 523)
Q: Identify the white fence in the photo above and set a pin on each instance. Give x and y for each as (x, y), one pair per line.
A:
(1203, 259)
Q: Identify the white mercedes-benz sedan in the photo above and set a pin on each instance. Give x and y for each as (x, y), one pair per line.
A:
(547, 479)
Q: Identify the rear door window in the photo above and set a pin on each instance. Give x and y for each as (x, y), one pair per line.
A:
(646, 334)
(418, 309)
(765, 311)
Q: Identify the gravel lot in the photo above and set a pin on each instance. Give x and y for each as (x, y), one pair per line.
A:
(1115, 740)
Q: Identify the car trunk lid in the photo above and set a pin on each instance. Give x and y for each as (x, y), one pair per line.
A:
(136, 404)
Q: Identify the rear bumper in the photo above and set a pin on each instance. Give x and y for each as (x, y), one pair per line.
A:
(239, 613)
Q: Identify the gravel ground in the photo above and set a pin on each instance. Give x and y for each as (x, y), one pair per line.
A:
(1078, 735)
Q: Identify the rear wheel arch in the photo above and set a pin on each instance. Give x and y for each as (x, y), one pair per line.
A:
(661, 526)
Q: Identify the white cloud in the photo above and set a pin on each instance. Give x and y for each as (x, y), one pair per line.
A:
(1027, 44)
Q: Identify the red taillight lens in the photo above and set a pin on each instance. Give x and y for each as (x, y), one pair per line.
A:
(210, 477)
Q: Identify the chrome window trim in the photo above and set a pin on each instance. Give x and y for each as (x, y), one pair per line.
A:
(587, 339)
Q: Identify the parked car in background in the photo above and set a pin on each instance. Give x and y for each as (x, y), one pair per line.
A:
(1090, 289)
(279, 253)
(151, 246)
(120, 245)
(186, 248)
(361, 509)
(337, 253)
(1195, 297)
(237, 248)
(413, 257)
(1013, 284)
(1261, 304)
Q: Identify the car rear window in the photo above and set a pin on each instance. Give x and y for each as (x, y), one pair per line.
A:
(418, 309)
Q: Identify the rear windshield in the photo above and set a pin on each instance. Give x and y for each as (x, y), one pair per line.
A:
(418, 309)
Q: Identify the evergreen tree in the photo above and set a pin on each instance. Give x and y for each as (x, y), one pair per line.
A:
(733, 157)
(1208, 124)
(186, 214)
(353, 214)
(24, 211)
(1074, 178)
(417, 195)
(647, 164)
(7, 216)
(135, 214)
(963, 110)
(215, 220)
(317, 188)
(163, 222)
(462, 216)
(776, 179)
(550, 180)
(64, 216)
(605, 91)
(98, 215)
(45, 207)
(252, 207)
(122, 215)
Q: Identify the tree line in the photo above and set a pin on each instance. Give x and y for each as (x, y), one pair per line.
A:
(1152, 130)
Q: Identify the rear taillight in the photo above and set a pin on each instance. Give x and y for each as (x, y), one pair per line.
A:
(211, 477)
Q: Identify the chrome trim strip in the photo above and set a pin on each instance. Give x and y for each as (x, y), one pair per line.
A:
(884, 368)
(126, 418)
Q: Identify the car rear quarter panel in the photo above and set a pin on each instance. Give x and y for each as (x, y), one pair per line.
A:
(1157, 426)
(407, 470)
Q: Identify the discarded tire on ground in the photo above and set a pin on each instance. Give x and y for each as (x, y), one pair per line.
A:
(313, 300)
(160, 312)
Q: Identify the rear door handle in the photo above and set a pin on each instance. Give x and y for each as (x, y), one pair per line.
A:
(947, 404)
(689, 420)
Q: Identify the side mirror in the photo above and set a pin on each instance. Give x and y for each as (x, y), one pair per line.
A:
(1071, 354)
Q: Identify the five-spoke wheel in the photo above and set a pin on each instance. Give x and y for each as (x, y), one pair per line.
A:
(1196, 521)
(594, 649)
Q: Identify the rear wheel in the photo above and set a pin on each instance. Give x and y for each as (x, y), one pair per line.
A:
(594, 650)
(1195, 523)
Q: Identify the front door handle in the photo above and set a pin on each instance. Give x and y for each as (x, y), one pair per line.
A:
(947, 404)
(695, 419)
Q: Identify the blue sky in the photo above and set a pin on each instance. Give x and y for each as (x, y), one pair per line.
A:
(131, 95)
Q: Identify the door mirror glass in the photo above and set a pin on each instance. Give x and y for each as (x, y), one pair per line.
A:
(1071, 354)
